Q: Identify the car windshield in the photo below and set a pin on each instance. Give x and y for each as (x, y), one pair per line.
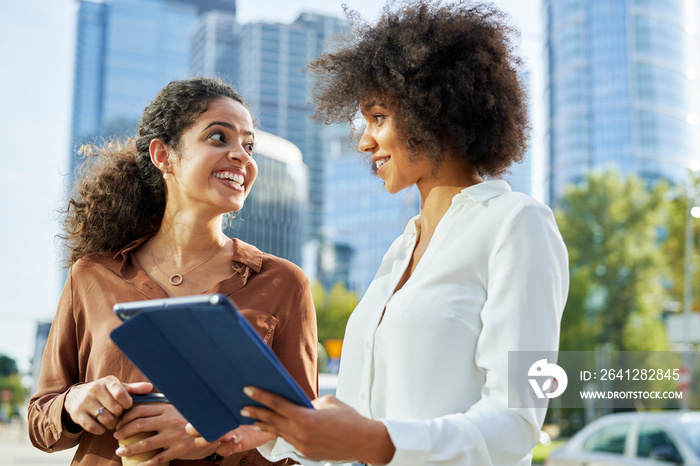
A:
(691, 432)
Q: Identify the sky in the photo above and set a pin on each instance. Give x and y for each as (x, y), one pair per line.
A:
(36, 70)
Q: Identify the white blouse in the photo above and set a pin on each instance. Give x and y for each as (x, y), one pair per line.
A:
(434, 368)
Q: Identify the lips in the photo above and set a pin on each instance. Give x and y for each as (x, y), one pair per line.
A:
(381, 161)
(236, 179)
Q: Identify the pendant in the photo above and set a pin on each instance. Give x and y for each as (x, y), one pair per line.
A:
(176, 279)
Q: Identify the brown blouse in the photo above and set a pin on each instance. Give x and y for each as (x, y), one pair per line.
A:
(272, 293)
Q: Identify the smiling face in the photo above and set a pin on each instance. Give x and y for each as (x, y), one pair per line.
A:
(213, 170)
(390, 155)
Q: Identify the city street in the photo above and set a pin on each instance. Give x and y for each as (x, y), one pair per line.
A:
(16, 450)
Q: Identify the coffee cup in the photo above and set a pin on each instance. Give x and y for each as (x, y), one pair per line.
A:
(145, 456)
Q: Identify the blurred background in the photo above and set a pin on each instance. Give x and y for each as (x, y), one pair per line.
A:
(614, 102)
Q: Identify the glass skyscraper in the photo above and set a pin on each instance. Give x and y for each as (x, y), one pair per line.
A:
(358, 211)
(126, 51)
(622, 88)
(273, 214)
(272, 57)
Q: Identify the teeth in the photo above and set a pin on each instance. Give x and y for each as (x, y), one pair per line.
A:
(235, 177)
(380, 162)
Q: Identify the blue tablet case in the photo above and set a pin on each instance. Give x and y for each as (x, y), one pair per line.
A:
(200, 352)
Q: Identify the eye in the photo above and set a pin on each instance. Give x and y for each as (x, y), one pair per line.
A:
(379, 117)
(217, 136)
(249, 146)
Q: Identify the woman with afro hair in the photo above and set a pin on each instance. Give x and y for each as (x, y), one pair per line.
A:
(481, 272)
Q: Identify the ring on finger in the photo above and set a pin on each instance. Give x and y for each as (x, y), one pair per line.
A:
(98, 412)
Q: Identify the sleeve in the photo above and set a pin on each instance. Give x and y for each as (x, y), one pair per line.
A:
(297, 348)
(59, 372)
(296, 342)
(527, 287)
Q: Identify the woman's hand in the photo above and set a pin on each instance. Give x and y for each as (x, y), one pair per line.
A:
(240, 439)
(96, 406)
(332, 432)
(169, 427)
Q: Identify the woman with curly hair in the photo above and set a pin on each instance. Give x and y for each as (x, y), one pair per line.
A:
(145, 222)
(480, 272)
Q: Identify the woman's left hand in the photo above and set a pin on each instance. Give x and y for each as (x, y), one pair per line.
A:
(170, 436)
(332, 432)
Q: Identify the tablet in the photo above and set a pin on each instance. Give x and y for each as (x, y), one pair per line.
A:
(200, 352)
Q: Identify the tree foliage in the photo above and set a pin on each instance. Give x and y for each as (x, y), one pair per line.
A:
(8, 366)
(674, 244)
(333, 308)
(13, 383)
(11, 380)
(614, 229)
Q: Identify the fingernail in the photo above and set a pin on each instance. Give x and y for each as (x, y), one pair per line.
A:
(245, 412)
(120, 451)
(256, 428)
(237, 439)
(248, 391)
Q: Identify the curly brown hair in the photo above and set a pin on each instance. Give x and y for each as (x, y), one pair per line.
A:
(449, 73)
(119, 195)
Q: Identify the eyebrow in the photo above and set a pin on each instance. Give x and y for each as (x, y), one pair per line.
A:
(375, 103)
(228, 125)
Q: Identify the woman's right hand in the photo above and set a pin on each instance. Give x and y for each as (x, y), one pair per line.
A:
(96, 406)
(238, 440)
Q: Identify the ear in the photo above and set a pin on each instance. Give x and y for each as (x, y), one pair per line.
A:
(160, 155)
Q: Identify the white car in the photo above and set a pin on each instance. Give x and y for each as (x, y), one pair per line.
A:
(659, 438)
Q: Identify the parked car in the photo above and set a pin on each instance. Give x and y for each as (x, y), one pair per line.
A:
(659, 438)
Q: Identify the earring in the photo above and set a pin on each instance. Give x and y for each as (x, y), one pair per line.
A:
(165, 175)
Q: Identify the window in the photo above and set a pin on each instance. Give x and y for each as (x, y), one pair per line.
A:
(651, 437)
(609, 439)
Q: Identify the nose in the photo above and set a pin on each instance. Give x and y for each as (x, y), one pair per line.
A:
(240, 155)
(367, 142)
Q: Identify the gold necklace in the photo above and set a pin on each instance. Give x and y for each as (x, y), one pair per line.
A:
(176, 278)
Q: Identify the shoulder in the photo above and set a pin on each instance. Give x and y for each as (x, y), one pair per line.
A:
(87, 264)
(267, 265)
(518, 202)
(282, 267)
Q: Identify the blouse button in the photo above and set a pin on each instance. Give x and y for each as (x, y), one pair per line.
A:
(244, 462)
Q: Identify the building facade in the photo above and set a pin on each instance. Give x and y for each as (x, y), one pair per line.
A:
(358, 212)
(273, 215)
(126, 51)
(273, 57)
(622, 89)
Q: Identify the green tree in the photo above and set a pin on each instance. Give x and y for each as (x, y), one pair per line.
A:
(333, 308)
(674, 244)
(11, 380)
(613, 228)
(8, 366)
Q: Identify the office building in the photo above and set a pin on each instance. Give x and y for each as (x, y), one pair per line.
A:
(358, 212)
(622, 88)
(273, 57)
(126, 51)
(273, 215)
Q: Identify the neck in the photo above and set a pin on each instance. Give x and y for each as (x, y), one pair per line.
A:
(185, 236)
(437, 192)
